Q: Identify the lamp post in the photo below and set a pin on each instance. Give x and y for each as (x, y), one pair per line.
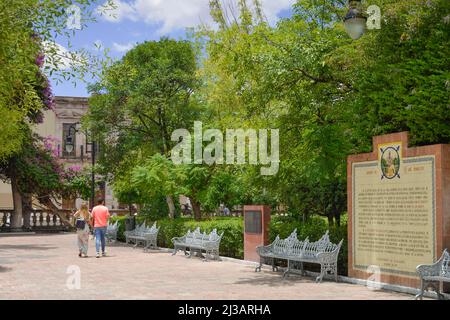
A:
(355, 20)
(93, 174)
(69, 147)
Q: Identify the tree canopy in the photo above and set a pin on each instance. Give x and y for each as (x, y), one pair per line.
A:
(327, 93)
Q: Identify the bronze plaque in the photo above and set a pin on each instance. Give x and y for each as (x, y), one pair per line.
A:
(253, 223)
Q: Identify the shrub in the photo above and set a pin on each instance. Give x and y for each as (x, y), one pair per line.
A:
(232, 244)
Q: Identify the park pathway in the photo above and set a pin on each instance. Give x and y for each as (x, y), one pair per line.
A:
(35, 267)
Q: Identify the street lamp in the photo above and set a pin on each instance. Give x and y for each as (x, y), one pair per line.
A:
(70, 138)
(355, 21)
(69, 144)
(69, 147)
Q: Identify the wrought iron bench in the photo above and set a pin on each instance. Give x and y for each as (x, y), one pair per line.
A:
(141, 234)
(197, 241)
(434, 275)
(111, 232)
(322, 252)
(279, 249)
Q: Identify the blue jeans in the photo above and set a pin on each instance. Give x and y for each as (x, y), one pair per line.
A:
(100, 238)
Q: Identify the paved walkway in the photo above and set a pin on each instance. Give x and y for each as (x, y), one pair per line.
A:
(35, 267)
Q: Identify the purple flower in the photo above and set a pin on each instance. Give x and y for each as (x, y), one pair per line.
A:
(50, 144)
(47, 94)
(74, 169)
(40, 60)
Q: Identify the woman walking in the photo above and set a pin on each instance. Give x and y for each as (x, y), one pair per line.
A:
(82, 224)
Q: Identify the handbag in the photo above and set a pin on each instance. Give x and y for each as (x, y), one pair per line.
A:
(80, 224)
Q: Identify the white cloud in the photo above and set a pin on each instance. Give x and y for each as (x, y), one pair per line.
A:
(171, 15)
(59, 57)
(119, 11)
(122, 47)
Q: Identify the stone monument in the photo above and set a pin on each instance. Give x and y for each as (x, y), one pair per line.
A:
(256, 230)
(399, 209)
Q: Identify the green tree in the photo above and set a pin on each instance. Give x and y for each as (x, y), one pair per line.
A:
(28, 30)
(403, 75)
(36, 173)
(328, 94)
(141, 100)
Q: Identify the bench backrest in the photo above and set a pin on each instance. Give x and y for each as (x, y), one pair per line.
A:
(112, 227)
(195, 236)
(214, 236)
(198, 237)
(289, 246)
(152, 229)
(140, 228)
(324, 244)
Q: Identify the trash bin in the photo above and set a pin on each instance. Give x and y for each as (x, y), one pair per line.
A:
(130, 223)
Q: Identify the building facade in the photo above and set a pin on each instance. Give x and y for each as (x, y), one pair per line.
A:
(62, 128)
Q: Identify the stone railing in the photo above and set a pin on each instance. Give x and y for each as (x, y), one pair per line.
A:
(39, 220)
(42, 220)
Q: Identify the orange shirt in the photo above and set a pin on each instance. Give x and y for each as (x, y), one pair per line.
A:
(100, 214)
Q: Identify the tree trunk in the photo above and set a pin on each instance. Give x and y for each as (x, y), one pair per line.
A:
(27, 207)
(196, 209)
(330, 220)
(16, 219)
(50, 206)
(171, 205)
(337, 217)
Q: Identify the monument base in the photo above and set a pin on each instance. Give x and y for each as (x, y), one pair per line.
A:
(256, 230)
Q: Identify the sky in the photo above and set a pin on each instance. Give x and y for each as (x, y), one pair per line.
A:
(136, 21)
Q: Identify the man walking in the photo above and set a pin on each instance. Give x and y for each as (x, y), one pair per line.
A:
(100, 215)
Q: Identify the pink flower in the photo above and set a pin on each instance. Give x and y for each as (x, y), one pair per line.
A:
(74, 168)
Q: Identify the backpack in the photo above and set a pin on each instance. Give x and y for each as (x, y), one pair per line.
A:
(80, 224)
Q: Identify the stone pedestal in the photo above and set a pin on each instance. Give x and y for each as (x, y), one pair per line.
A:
(399, 209)
(256, 230)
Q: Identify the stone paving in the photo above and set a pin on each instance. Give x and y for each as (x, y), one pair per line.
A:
(42, 267)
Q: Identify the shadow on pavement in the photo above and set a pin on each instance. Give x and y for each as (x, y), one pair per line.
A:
(275, 280)
(39, 247)
(5, 269)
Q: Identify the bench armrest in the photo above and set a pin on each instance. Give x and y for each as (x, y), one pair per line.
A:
(211, 245)
(330, 257)
(434, 269)
(261, 250)
(425, 270)
(179, 239)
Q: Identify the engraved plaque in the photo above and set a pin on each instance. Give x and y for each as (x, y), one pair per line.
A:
(253, 223)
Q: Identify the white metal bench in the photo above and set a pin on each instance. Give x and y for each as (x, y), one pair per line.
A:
(197, 241)
(322, 252)
(141, 234)
(279, 249)
(111, 232)
(434, 275)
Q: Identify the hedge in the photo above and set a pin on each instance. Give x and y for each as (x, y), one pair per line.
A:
(232, 244)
